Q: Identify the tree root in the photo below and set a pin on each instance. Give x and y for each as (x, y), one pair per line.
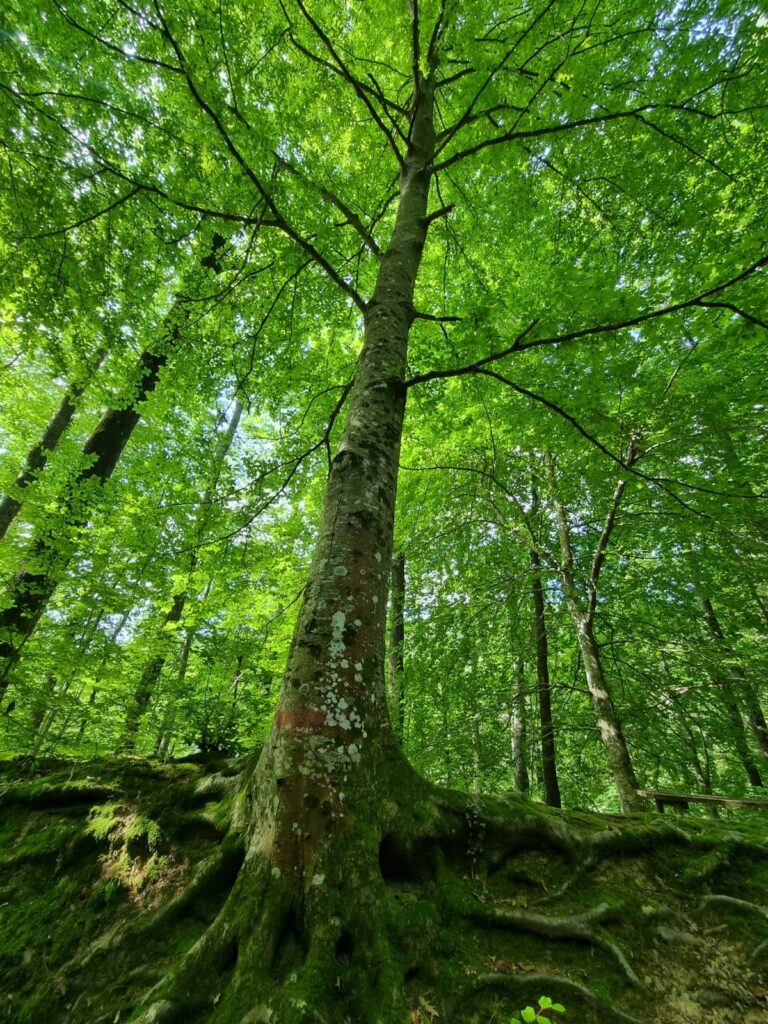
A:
(576, 926)
(530, 985)
(168, 1002)
(213, 874)
(43, 798)
(730, 903)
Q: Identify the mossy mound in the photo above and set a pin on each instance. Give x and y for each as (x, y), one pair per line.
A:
(110, 871)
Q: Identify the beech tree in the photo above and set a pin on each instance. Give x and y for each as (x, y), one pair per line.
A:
(426, 235)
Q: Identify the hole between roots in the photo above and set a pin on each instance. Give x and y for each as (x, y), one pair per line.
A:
(290, 948)
(345, 946)
(401, 863)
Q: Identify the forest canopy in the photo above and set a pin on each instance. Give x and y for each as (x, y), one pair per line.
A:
(419, 348)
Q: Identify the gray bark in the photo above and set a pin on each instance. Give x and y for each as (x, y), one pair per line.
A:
(582, 614)
(548, 752)
(728, 685)
(518, 730)
(331, 736)
(396, 646)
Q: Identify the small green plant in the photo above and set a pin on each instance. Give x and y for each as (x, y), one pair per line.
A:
(540, 1016)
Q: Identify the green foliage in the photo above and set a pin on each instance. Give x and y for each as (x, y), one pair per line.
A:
(531, 1014)
(125, 213)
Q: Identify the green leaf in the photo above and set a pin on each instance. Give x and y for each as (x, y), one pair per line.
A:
(558, 1007)
(545, 1002)
(529, 1014)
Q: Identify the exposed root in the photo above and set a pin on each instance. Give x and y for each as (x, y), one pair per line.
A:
(215, 951)
(215, 874)
(214, 787)
(529, 985)
(719, 902)
(576, 926)
(38, 797)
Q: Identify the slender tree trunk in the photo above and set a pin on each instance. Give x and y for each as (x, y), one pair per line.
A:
(148, 680)
(518, 730)
(154, 667)
(727, 684)
(166, 732)
(396, 647)
(37, 458)
(44, 702)
(32, 588)
(582, 613)
(548, 754)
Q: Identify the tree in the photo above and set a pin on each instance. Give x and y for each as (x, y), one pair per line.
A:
(452, 133)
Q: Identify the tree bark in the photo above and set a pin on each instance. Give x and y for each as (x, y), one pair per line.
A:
(396, 647)
(37, 458)
(582, 614)
(727, 685)
(331, 778)
(518, 730)
(548, 752)
(33, 587)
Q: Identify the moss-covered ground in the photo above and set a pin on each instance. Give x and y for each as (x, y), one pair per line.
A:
(111, 870)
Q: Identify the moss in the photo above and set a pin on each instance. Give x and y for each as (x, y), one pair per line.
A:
(76, 871)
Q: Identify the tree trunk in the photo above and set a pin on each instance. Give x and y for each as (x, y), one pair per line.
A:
(726, 686)
(518, 730)
(608, 720)
(154, 667)
(148, 680)
(331, 785)
(396, 647)
(33, 587)
(166, 732)
(548, 755)
(582, 615)
(37, 458)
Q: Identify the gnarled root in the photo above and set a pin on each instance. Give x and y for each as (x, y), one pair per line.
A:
(527, 985)
(575, 926)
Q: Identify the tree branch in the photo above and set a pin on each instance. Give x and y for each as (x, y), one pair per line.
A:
(282, 223)
(340, 68)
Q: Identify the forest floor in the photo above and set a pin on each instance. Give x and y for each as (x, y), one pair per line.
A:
(111, 870)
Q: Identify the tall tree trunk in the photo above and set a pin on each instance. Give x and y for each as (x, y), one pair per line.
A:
(148, 680)
(518, 730)
(32, 588)
(37, 457)
(154, 667)
(548, 753)
(316, 811)
(166, 732)
(582, 614)
(727, 685)
(396, 646)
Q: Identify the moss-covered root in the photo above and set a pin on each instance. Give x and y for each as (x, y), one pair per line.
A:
(525, 986)
(581, 927)
(298, 954)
